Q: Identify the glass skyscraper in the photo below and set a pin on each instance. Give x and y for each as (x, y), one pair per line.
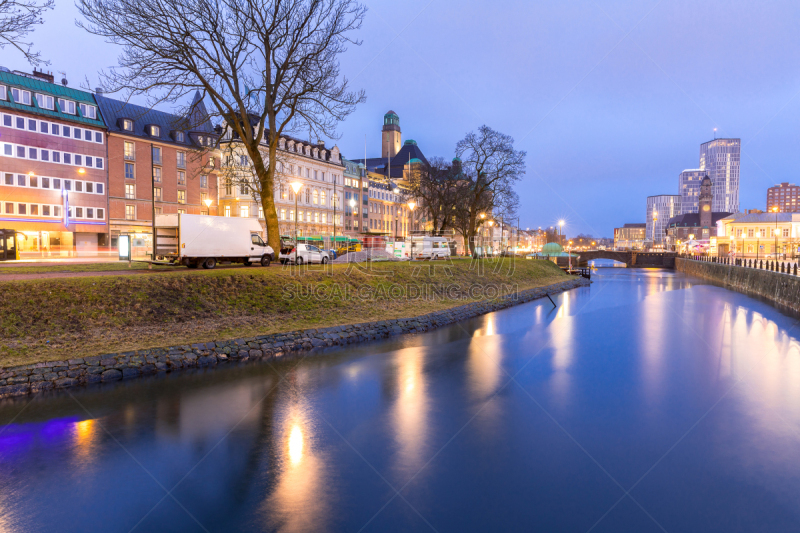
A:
(720, 159)
(689, 188)
(660, 209)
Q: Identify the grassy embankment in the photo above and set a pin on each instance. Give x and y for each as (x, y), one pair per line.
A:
(55, 319)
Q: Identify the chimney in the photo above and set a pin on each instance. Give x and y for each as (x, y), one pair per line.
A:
(98, 90)
(46, 76)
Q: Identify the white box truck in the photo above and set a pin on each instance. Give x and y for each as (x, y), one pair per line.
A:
(195, 240)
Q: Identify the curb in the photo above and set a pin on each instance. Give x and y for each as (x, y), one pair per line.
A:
(40, 377)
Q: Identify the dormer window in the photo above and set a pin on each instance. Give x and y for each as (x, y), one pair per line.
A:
(66, 106)
(154, 130)
(88, 111)
(20, 96)
(3, 92)
(178, 136)
(44, 101)
(126, 124)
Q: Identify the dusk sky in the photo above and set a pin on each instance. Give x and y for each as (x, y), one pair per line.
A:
(611, 100)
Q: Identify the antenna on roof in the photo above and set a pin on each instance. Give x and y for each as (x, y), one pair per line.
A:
(715, 134)
(63, 78)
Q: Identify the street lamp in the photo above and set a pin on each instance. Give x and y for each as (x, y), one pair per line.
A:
(561, 230)
(775, 210)
(411, 205)
(296, 186)
(207, 201)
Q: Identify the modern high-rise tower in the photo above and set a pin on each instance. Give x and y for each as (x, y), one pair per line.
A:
(689, 189)
(720, 159)
(390, 136)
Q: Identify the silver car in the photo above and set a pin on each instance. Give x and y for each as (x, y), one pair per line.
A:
(306, 253)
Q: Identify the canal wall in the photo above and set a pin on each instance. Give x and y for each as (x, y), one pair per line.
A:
(781, 289)
(41, 377)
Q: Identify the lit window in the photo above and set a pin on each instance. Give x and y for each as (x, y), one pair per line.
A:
(227, 210)
(181, 197)
(157, 174)
(157, 194)
(244, 211)
(130, 212)
(130, 191)
(129, 152)
(155, 131)
(127, 125)
(181, 177)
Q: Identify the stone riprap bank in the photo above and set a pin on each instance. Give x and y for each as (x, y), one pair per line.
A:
(39, 377)
(781, 289)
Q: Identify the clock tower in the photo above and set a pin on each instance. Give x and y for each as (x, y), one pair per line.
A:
(704, 203)
(390, 136)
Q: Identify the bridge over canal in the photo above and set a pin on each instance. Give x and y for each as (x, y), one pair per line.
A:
(631, 259)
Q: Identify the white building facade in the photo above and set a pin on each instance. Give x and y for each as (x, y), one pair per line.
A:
(660, 209)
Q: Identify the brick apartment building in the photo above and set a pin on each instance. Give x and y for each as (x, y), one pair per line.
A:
(157, 162)
(53, 190)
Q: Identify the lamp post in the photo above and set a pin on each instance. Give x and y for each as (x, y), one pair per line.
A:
(411, 205)
(775, 210)
(207, 201)
(560, 231)
(334, 211)
(296, 186)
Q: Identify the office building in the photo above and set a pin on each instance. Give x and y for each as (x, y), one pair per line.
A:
(53, 166)
(720, 159)
(630, 236)
(660, 208)
(689, 189)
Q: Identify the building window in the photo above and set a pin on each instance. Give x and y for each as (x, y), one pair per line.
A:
(156, 155)
(155, 131)
(181, 159)
(203, 196)
(3, 92)
(785, 232)
(181, 211)
(750, 232)
(181, 197)
(20, 96)
(243, 188)
(44, 101)
(130, 191)
(227, 210)
(127, 125)
(322, 197)
(158, 210)
(228, 187)
(157, 174)
(181, 177)
(316, 196)
(179, 138)
(244, 211)
(129, 152)
(88, 111)
(129, 173)
(130, 212)
(157, 194)
(283, 214)
(260, 212)
(203, 181)
(66, 106)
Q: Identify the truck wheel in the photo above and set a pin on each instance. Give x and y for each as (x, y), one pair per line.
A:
(299, 260)
(265, 261)
(210, 263)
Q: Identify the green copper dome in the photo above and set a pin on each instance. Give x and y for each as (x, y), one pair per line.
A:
(415, 161)
(551, 248)
(410, 142)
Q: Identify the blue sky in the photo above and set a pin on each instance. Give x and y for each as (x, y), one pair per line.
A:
(611, 99)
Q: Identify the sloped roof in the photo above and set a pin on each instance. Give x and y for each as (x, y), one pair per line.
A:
(113, 110)
(693, 219)
(408, 151)
(765, 217)
(57, 91)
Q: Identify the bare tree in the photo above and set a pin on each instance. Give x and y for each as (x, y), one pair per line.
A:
(17, 19)
(269, 67)
(466, 213)
(489, 156)
(435, 185)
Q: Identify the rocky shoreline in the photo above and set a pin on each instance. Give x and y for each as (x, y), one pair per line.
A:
(39, 377)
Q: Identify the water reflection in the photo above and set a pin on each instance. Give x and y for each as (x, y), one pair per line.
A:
(627, 366)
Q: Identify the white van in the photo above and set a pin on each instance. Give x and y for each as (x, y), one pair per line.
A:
(427, 248)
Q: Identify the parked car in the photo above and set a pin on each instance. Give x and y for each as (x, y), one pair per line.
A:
(304, 253)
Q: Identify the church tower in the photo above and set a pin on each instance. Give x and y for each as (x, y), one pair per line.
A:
(705, 201)
(390, 137)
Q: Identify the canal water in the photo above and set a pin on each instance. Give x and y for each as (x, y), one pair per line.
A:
(647, 402)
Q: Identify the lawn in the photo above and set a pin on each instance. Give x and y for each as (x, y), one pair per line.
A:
(61, 318)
